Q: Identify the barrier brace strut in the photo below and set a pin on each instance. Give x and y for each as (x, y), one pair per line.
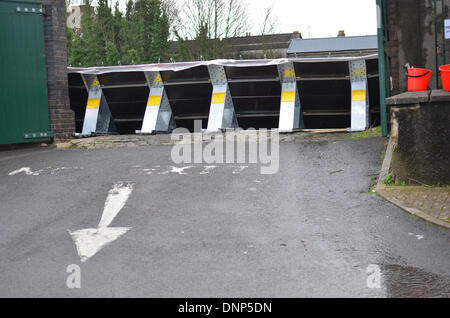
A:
(158, 113)
(291, 116)
(360, 95)
(98, 118)
(221, 114)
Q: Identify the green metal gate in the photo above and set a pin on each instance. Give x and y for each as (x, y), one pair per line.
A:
(23, 80)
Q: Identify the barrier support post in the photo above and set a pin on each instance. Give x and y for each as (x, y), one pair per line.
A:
(158, 113)
(98, 118)
(291, 116)
(359, 96)
(221, 112)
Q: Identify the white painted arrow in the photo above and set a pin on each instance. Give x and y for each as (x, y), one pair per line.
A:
(90, 241)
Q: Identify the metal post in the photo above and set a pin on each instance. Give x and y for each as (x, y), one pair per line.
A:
(360, 95)
(444, 13)
(290, 109)
(221, 113)
(98, 118)
(436, 43)
(158, 113)
(382, 68)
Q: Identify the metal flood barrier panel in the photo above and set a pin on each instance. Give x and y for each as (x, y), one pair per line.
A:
(283, 94)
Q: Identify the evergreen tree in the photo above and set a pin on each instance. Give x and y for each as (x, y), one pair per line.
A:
(82, 43)
(133, 57)
(103, 29)
(161, 33)
(118, 25)
(112, 54)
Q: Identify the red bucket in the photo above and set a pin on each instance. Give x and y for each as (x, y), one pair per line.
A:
(445, 76)
(418, 79)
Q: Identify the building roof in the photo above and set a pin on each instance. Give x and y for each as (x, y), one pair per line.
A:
(347, 43)
(249, 42)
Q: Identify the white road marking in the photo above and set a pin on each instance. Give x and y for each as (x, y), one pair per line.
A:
(208, 169)
(149, 171)
(26, 170)
(238, 170)
(419, 237)
(53, 171)
(177, 170)
(91, 241)
(117, 197)
(180, 170)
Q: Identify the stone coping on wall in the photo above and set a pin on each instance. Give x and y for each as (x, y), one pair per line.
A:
(408, 98)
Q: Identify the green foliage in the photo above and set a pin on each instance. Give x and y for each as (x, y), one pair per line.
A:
(369, 133)
(132, 57)
(184, 52)
(389, 180)
(110, 37)
(112, 54)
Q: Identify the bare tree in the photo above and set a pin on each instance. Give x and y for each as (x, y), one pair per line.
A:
(270, 23)
(170, 7)
(209, 21)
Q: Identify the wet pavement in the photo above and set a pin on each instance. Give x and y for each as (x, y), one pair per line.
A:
(430, 203)
(311, 230)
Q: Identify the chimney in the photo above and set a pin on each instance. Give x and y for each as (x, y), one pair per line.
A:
(341, 34)
(296, 35)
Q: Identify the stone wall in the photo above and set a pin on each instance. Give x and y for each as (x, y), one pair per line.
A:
(421, 137)
(62, 119)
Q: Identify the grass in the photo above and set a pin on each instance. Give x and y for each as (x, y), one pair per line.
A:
(370, 133)
(373, 184)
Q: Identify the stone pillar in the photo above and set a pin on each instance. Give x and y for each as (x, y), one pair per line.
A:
(62, 118)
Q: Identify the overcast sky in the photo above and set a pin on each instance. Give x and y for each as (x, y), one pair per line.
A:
(320, 18)
(314, 18)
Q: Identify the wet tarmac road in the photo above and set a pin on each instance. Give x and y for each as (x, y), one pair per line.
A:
(311, 230)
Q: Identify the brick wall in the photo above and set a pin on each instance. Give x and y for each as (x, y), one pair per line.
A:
(392, 46)
(62, 119)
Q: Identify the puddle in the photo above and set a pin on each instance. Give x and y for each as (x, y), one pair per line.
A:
(406, 281)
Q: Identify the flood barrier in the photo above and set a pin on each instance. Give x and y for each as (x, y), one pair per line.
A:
(284, 94)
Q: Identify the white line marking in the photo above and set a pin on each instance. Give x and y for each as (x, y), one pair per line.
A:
(117, 197)
(53, 171)
(26, 170)
(177, 170)
(208, 169)
(180, 170)
(91, 241)
(239, 169)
